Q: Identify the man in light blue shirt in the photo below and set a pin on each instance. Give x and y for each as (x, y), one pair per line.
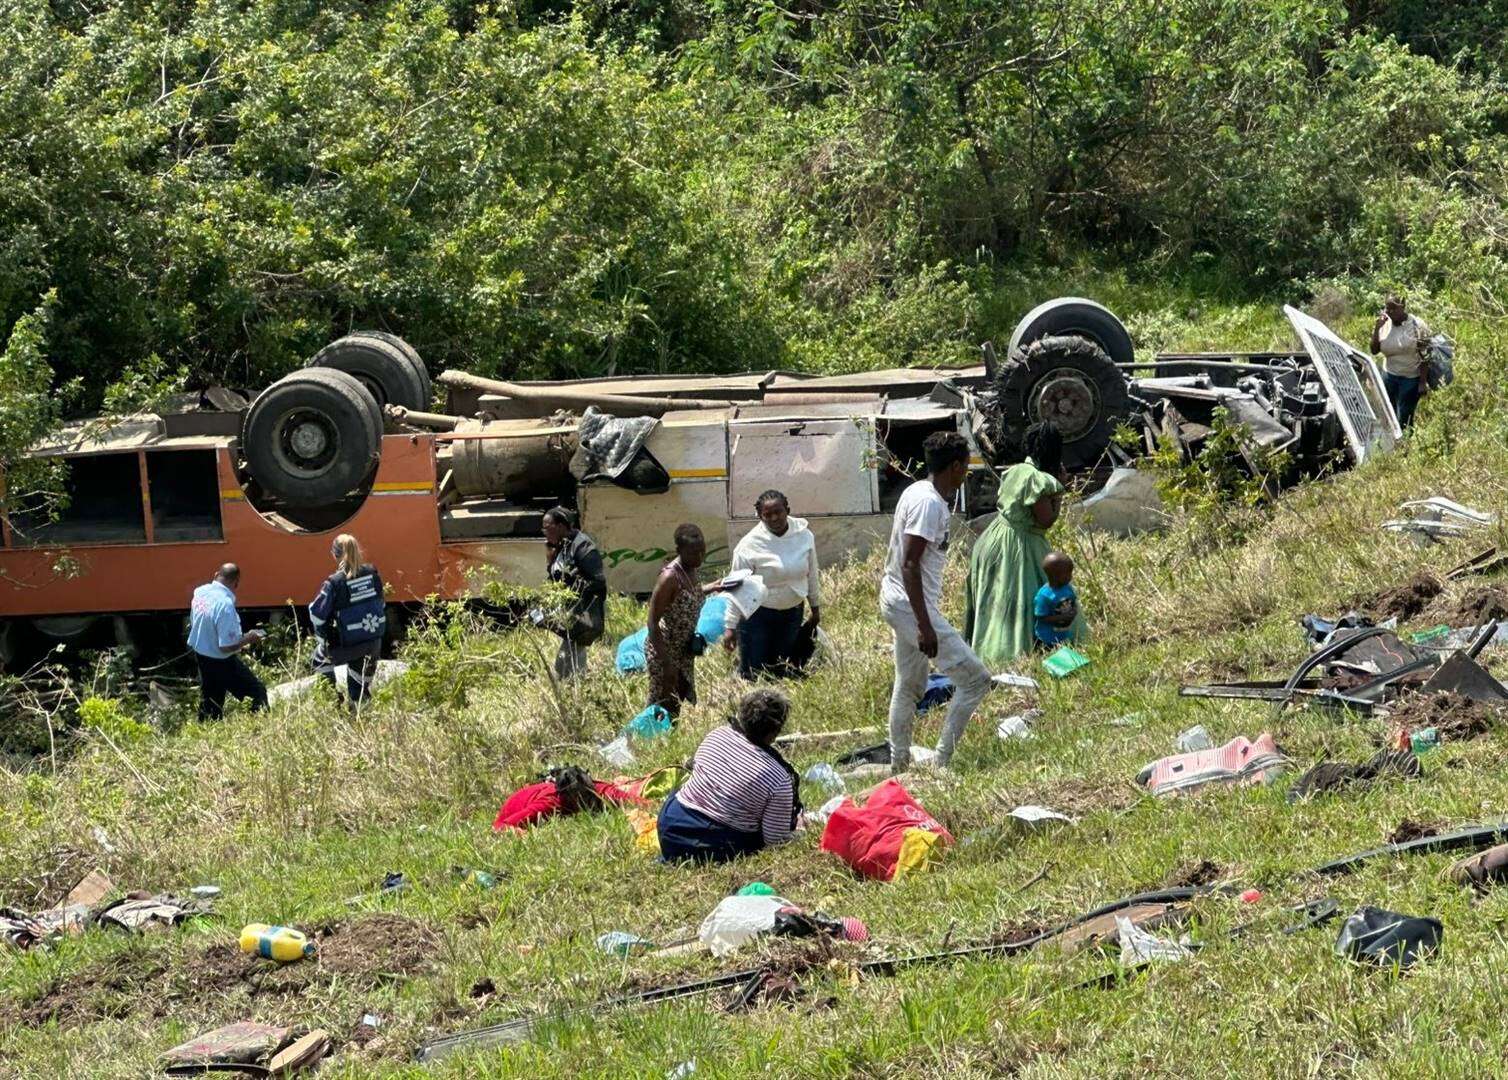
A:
(215, 636)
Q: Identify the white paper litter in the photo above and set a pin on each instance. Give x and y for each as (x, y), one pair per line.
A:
(617, 752)
(387, 670)
(820, 815)
(1033, 814)
(1139, 947)
(1193, 740)
(738, 920)
(1017, 727)
(1010, 678)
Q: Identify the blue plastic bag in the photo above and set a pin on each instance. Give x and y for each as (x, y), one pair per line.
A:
(631, 651)
(651, 723)
(709, 624)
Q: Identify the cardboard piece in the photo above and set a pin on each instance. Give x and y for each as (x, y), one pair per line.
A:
(242, 1046)
(94, 887)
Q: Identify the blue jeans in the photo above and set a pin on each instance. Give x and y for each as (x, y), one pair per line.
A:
(767, 640)
(689, 836)
(1404, 394)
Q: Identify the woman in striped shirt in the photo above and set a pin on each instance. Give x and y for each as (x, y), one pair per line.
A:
(742, 795)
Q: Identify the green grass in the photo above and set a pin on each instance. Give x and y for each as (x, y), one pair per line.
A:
(294, 812)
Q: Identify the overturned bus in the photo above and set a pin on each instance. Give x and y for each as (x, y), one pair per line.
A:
(447, 492)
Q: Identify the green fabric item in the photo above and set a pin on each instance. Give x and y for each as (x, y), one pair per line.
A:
(755, 888)
(1065, 661)
(1005, 570)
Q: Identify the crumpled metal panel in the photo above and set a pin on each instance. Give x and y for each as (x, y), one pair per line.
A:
(1364, 409)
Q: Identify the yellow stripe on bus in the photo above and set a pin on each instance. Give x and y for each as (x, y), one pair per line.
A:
(402, 485)
(232, 493)
(683, 474)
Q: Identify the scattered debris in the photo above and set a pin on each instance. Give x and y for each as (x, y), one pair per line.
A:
(387, 671)
(1193, 740)
(825, 776)
(1064, 661)
(1240, 761)
(94, 887)
(1018, 682)
(1018, 727)
(1327, 777)
(1388, 939)
(258, 1049)
(890, 835)
(1105, 925)
(1486, 868)
(1464, 676)
(1129, 504)
(280, 943)
(1036, 815)
(1471, 838)
(1140, 947)
(622, 943)
(1438, 518)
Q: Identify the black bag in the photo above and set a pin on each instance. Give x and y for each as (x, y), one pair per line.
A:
(575, 788)
(1386, 938)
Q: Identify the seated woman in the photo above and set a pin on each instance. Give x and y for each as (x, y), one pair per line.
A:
(742, 795)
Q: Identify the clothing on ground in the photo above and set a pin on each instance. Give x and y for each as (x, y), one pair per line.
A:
(533, 803)
(687, 835)
(672, 666)
(742, 786)
(578, 567)
(921, 512)
(1400, 343)
(1005, 570)
(1404, 395)
(214, 623)
(787, 564)
(767, 642)
(1053, 602)
(220, 677)
(971, 681)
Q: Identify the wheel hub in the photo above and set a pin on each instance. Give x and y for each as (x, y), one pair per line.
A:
(307, 442)
(1067, 398)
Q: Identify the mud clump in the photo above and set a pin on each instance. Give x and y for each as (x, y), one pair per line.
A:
(1193, 875)
(1405, 601)
(1488, 603)
(376, 946)
(1409, 829)
(1454, 718)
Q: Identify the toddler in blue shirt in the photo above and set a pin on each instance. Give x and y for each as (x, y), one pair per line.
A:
(1057, 604)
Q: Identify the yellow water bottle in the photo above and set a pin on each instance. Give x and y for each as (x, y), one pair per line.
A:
(280, 943)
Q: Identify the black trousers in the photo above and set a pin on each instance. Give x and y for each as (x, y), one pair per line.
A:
(229, 676)
(767, 642)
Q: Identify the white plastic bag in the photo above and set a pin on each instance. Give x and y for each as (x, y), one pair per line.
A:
(737, 920)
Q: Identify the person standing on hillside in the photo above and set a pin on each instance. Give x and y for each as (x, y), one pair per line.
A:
(782, 553)
(911, 602)
(349, 616)
(1005, 567)
(215, 637)
(673, 609)
(572, 560)
(1401, 339)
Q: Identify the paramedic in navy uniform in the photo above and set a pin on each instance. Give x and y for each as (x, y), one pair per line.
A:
(350, 618)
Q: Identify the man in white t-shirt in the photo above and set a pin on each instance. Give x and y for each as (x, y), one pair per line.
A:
(911, 602)
(1400, 338)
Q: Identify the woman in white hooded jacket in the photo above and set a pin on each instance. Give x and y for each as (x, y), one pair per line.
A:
(781, 551)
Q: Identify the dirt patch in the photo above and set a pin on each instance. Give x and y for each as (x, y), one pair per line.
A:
(219, 981)
(1485, 603)
(1404, 601)
(376, 946)
(1409, 829)
(1456, 718)
(1079, 797)
(1192, 875)
(1015, 933)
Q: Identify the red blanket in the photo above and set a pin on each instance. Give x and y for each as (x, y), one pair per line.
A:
(537, 802)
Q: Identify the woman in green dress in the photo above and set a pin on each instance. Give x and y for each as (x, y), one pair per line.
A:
(1005, 568)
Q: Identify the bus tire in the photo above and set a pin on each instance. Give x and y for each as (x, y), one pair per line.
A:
(312, 437)
(389, 371)
(1073, 315)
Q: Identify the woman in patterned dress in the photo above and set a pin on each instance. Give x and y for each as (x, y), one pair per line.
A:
(673, 610)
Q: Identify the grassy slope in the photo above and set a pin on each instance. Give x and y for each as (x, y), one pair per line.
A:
(293, 813)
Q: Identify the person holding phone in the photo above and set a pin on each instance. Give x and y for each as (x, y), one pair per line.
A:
(215, 636)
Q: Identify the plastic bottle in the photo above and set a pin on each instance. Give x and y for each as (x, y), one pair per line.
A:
(280, 943)
(480, 878)
(1424, 740)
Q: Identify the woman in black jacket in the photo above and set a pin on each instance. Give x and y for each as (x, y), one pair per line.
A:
(350, 619)
(572, 560)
